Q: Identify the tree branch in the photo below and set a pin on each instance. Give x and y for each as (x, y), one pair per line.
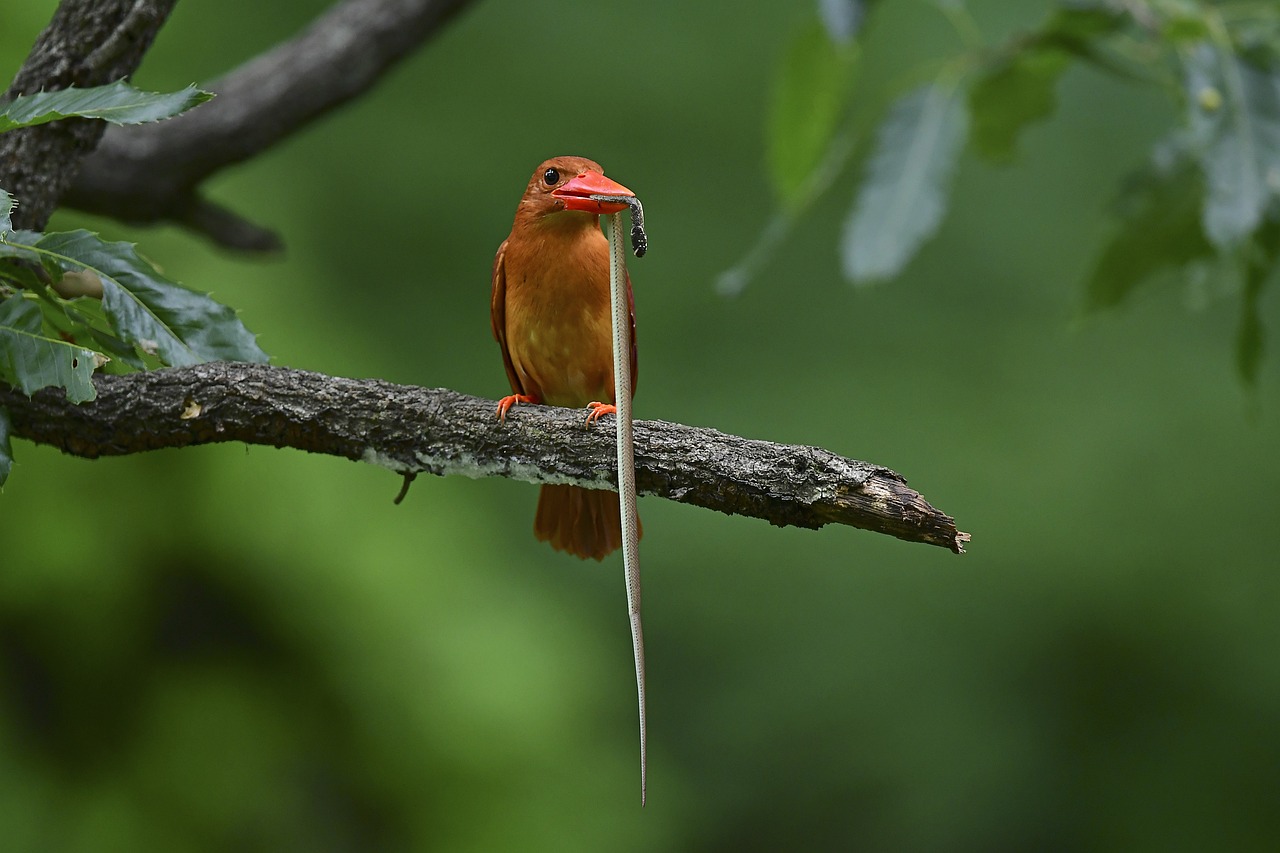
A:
(87, 43)
(410, 430)
(152, 173)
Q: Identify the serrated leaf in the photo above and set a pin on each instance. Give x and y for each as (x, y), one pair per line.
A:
(147, 310)
(1161, 231)
(6, 210)
(118, 103)
(30, 361)
(1234, 116)
(809, 94)
(905, 190)
(6, 448)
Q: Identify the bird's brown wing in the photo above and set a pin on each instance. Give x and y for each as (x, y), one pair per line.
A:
(498, 316)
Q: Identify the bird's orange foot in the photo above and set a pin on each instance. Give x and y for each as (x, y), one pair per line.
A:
(597, 410)
(505, 404)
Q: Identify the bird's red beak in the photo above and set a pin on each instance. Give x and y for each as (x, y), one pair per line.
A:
(576, 194)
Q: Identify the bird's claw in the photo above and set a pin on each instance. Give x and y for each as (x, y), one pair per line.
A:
(505, 404)
(598, 409)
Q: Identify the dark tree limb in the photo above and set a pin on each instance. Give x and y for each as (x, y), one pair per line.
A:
(410, 430)
(153, 173)
(87, 43)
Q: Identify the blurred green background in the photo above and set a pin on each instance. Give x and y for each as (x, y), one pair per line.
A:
(230, 648)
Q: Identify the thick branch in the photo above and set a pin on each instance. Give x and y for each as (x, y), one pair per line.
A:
(152, 173)
(88, 43)
(410, 430)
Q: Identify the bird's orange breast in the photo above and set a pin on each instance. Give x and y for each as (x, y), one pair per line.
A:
(558, 322)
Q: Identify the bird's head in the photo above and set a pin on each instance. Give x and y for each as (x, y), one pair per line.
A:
(567, 183)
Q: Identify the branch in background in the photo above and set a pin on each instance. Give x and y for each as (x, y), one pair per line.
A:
(411, 430)
(88, 43)
(152, 173)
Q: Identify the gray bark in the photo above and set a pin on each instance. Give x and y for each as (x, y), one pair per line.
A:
(87, 43)
(411, 430)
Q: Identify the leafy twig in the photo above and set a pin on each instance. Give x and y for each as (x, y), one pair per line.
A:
(38, 164)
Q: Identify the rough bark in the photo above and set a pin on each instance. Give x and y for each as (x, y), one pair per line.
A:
(87, 43)
(410, 430)
(153, 173)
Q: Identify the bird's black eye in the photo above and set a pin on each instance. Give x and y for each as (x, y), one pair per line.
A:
(551, 177)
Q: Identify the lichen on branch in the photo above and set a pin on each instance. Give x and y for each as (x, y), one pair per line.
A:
(413, 430)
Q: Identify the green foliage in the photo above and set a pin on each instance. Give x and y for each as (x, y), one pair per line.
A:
(809, 96)
(1219, 62)
(6, 449)
(6, 213)
(1234, 119)
(73, 302)
(1160, 232)
(31, 359)
(1250, 337)
(177, 325)
(217, 648)
(148, 314)
(1014, 94)
(1260, 265)
(118, 103)
(904, 193)
(1017, 88)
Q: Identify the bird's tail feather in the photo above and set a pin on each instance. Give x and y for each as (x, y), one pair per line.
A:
(582, 522)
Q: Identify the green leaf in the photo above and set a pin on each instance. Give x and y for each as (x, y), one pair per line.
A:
(1260, 268)
(1234, 117)
(809, 95)
(15, 273)
(1161, 231)
(6, 449)
(116, 348)
(1187, 23)
(1010, 96)
(147, 310)
(6, 208)
(1250, 336)
(1018, 89)
(1074, 25)
(904, 192)
(17, 244)
(117, 102)
(30, 361)
(85, 318)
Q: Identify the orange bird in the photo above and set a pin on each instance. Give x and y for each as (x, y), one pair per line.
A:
(551, 317)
